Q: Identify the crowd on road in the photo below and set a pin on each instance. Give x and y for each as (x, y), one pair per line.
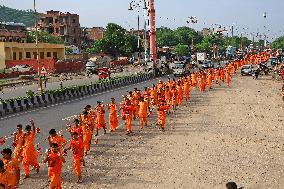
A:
(164, 98)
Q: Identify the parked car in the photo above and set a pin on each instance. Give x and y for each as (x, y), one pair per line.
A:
(91, 68)
(206, 64)
(247, 69)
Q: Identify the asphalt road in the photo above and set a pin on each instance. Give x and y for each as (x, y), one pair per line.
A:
(21, 91)
(53, 116)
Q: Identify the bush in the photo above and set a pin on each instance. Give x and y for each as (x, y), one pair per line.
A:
(30, 93)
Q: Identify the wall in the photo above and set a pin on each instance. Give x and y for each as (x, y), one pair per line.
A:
(2, 56)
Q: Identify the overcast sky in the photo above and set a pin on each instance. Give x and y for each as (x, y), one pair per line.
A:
(172, 13)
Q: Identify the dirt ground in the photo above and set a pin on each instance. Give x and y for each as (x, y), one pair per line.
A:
(227, 134)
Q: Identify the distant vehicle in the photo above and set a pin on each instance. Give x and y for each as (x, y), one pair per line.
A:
(91, 68)
(180, 69)
(21, 68)
(247, 69)
(206, 64)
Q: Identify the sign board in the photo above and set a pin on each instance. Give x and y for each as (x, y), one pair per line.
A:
(201, 56)
(43, 71)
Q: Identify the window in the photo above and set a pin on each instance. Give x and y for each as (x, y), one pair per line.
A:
(74, 30)
(35, 55)
(20, 56)
(56, 30)
(55, 55)
(14, 56)
(74, 20)
(28, 55)
(41, 55)
(48, 54)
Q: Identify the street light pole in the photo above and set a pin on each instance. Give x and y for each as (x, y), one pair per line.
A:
(39, 89)
(153, 48)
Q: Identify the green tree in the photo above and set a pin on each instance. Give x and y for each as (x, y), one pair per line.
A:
(186, 34)
(181, 50)
(116, 42)
(166, 37)
(44, 37)
(278, 43)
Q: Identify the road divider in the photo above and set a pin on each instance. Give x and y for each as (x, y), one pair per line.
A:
(15, 105)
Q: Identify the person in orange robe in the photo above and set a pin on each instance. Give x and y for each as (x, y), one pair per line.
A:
(161, 115)
(143, 114)
(174, 98)
(209, 80)
(77, 147)
(228, 78)
(91, 116)
(113, 121)
(29, 154)
(100, 117)
(217, 76)
(168, 98)
(153, 96)
(4, 175)
(180, 93)
(55, 138)
(55, 160)
(186, 90)
(87, 132)
(222, 74)
(194, 79)
(18, 142)
(128, 113)
(12, 166)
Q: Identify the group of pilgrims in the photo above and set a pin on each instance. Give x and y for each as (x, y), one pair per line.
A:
(164, 98)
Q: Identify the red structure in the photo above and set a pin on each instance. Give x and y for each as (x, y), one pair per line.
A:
(153, 48)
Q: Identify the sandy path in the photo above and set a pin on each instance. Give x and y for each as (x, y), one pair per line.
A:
(226, 134)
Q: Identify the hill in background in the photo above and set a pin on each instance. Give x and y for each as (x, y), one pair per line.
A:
(19, 16)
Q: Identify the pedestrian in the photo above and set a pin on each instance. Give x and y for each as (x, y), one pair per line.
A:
(100, 117)
(113, 121)
(55, 160)
(87, 132)
(18, 142)
(29, 154)
(4, 176)
(12, 166)
(76, 144)
(143, 114)
(161, 115)
(128, 113)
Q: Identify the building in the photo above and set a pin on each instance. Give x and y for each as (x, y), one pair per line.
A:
(13, 32)
(64, 25)
(12, 53)
(90, 35)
